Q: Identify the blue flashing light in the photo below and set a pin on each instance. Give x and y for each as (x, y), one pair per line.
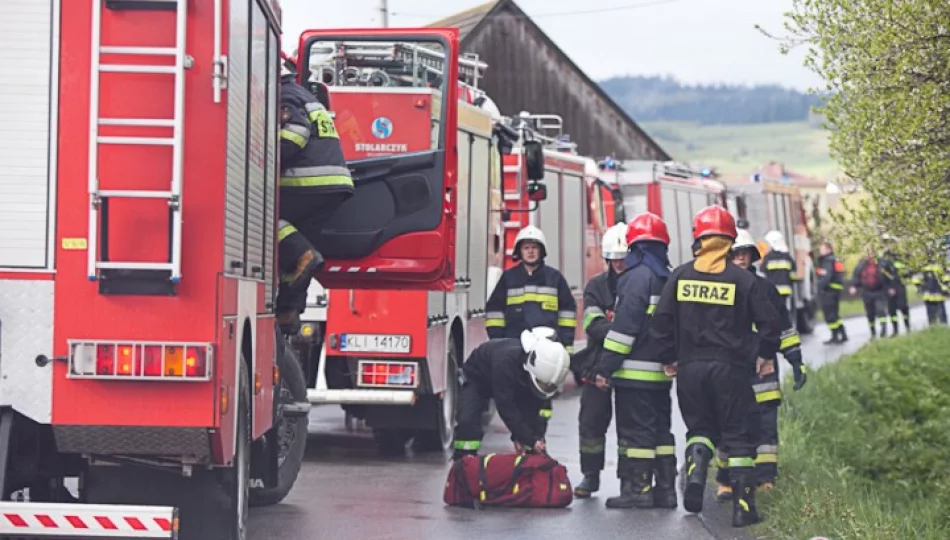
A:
(706, 172)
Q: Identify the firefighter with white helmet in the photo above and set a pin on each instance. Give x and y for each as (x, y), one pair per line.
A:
(596, 409)
(768, 393)
(314, 182)
(520, 374)
(530, 295)
(779, 266)
(645, 444)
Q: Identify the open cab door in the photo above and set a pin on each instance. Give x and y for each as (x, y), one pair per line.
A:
(393, 94)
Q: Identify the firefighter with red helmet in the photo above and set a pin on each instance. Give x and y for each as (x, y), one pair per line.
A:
(314, 182)
(645, 444)
(596, 409)
(703, 334)
(530, 295)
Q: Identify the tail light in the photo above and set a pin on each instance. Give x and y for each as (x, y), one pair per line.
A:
(137, 360)
(387, 374)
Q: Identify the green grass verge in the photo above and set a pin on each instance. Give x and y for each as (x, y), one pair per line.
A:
(851, 307)
(865, 447)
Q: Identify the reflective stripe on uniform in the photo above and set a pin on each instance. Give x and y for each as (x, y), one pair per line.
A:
(654, 300)
(701, 440)
(834, 325)
(593, 446)
(468, 445)
(790, 338)
(567, 318)
(665, 450)
(320, 118)
(636, 453)
(322, 175)
(618, 343)
(768, 391)
(639, 370)
(736, 462)
(591, 314)
(494, 319)
(836, 286)
(546, 296)
(767, 453)
(784, 290)
(285, 229)
(778, 265)
(545, 413)
(298, 135)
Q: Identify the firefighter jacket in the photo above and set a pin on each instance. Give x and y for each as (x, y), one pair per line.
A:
(628, 359)
(767, 389)
(830, 273)
(779, 267)
(933, 284)
(599, 299)
(899, 269)
(885, 275)
(708, 317)
(522, 301)
(311, 158)
(497, 368)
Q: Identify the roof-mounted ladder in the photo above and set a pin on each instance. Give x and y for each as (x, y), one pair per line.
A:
(127, 277)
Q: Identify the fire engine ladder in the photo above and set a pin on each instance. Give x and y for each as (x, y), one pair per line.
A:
(126, 277)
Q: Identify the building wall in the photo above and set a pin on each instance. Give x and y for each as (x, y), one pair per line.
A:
(525, 74)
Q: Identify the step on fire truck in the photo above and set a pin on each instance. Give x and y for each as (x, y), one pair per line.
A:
(392, 358)
(138, 347)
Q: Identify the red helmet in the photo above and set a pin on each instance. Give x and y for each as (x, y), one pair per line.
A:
(713, 221)
(288, 64)
(647, 226)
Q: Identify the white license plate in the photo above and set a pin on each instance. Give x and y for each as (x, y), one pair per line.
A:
(382, 343)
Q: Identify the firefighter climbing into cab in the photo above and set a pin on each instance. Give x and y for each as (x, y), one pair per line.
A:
(645, 445)
(314, 181)
(872, 277)
(521, 375)
(596, 409)
(779, 266)
(702, 331)
(830, 287)
(530, 295)
(768, 393)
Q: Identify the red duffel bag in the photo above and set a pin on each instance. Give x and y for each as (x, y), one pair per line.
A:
(512, 480)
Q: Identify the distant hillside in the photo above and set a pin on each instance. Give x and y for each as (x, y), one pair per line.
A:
(651, 99)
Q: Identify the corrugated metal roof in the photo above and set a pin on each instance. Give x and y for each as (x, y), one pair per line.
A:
(467, 20)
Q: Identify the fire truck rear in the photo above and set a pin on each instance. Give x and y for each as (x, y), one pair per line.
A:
(138, 347)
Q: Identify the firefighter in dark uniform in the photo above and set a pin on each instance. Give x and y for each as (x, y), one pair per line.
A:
(314, 181)
(530, 295)
(779, 267)
(934, 289)
(703, 333)
(596, 409)
(520, 375)
(645, 444)
(768, 393)
(830, 288)
(897, 307)
(871, 277)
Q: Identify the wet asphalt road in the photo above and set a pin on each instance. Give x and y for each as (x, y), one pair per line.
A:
(345, 491)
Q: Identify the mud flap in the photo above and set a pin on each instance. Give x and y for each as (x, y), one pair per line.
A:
(6, 429)
(264, 459)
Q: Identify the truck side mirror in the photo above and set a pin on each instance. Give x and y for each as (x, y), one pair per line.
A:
(537, 191)
(534, 160)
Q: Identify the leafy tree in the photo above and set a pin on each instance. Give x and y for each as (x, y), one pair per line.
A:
(886, 67)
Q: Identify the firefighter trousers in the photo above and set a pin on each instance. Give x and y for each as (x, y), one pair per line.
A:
(763, 422)
(715, 400)
(898, 308)
(473, 402)
(830, 302)
(936, 312)
(303, 216)
(644, 430)
(875, 308)
(592, 422)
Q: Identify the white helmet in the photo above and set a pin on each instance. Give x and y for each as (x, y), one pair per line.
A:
(548, 362)
(744, 240)
(614, 243)
(533, 234)
(776, 241)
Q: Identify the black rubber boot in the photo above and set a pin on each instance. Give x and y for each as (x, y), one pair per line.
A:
(744, 512)
(883, 332)
(636, 491)
(834, 338)
(589, 485)
(897, 327)
(664, 475)
(844, 333)
(697, 469)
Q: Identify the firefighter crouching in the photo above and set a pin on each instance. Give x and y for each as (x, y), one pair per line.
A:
(830, 287)
(314, 181)
(531, 295)
(872, 278)
(779, 266)
(596, 409)
(933, 288)
(702, 331)
(645, 445)
(520, 375)
(768, 393)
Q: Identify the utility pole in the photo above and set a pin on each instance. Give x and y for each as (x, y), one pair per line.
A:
(384, 12)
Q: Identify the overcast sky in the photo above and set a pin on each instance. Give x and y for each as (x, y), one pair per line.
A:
(696, 41)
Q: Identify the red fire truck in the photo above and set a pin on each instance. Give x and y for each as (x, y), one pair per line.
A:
(137, 233)
(392, 358)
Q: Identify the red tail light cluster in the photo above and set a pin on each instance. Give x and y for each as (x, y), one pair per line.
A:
(164, 361)
(389, 374)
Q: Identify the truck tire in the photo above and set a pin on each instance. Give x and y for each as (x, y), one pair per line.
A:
(805, 320)
(291, 430)
(237, 478)
(440, 439)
